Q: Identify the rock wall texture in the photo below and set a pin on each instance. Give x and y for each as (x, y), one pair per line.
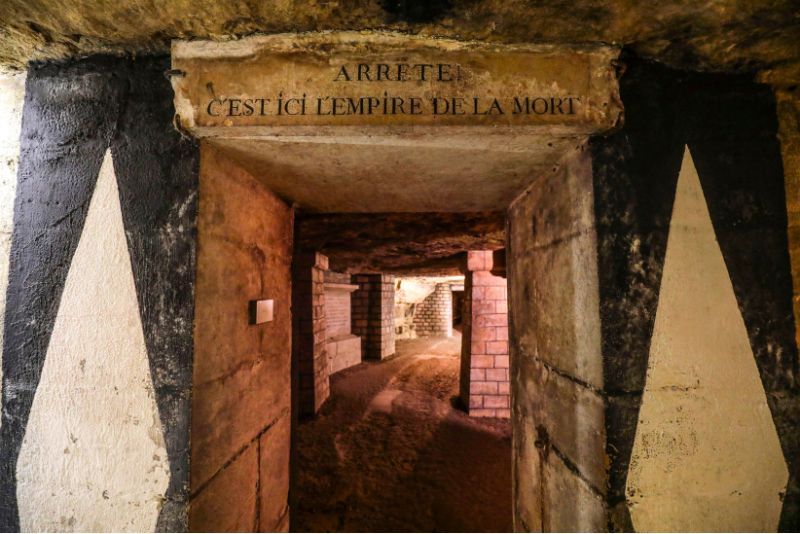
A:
(241, 394)
(556, 367)
(97, 346)
(591, 387)
(706, 35)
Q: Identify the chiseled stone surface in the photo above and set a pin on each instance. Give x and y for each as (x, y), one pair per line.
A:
(386, 79)
(527, 457)
(400, 242)
(228, 501)
(439, 172)
(301, 111)
(555, 266)
(574, 419)
(241, 371)
(343, 351)
(274, 487)
(556, 363)
(570, 504)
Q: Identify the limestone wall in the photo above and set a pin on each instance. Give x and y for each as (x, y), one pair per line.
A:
(556, 372)
(241, 397)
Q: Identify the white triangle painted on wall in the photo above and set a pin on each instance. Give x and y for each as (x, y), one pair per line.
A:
(93, 457)
(706, 455)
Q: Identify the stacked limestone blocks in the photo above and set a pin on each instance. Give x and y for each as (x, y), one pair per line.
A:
(373, 314)
(310, 330)
(434, 315)
(484, 345)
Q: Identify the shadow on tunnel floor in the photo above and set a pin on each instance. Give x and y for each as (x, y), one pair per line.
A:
(389, 452)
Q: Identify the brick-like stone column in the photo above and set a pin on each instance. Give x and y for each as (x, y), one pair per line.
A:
(434, 315)
(484, 342)
(373, 314)
(309, 330)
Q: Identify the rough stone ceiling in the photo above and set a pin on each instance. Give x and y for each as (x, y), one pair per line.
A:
(342, 177)
(400, 243)
(747, 35)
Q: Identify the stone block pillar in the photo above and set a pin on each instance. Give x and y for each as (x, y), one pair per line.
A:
(484, 343)
(373, 314)
(434, 315)
(309, 330)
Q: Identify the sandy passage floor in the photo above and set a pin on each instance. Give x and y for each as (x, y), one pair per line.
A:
(389, 452)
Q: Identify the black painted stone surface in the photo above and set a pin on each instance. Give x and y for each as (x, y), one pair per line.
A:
(729, 124)
(73, 113)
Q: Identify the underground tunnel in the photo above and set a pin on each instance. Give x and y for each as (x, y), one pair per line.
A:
(380, 266)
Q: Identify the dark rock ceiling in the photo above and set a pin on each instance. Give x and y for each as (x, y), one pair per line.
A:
(741, 36)
(753, 36)
(400, 243)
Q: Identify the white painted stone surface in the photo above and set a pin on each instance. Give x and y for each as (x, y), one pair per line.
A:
(93, 457)
(706, 455)
(343, 352)
(12, 97)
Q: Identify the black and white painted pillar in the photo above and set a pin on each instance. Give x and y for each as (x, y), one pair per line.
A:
(654, 362)
(97, 341)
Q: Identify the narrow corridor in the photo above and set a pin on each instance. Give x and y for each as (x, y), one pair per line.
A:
(390, 452)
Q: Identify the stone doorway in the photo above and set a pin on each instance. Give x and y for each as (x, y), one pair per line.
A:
(357, 200)
(371, 169)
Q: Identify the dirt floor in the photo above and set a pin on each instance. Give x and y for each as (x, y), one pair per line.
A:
(390, 452)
